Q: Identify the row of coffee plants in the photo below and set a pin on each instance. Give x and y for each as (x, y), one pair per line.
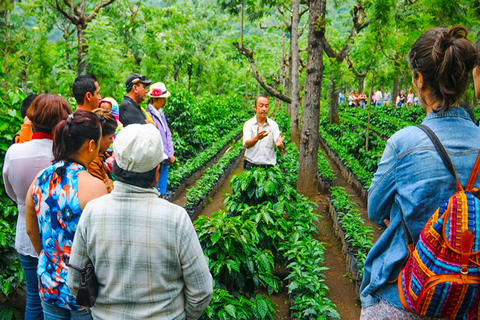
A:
(324, 171)
(358, 235)
(197, 122)
(267, 224)
(383, 121)
(211, 176)
(177, 174)
(12, 280)
(347, 159)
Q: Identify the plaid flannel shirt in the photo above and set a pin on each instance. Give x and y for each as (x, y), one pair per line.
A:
(147, 257)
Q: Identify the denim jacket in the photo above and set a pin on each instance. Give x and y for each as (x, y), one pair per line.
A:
(412, 176)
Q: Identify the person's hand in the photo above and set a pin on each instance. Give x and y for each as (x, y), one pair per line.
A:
(171, 160)
(261, 134)
(387, 222)
(279, 141)
(27, 121)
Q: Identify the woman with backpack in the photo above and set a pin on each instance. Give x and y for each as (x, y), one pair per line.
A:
(412, 180)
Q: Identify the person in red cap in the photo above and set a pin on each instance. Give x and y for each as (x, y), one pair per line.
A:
(130, 111)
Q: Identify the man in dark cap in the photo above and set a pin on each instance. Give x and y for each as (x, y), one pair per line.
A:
(130, 111)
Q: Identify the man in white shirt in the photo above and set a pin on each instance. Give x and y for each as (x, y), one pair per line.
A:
(379, 97)
(260, 137)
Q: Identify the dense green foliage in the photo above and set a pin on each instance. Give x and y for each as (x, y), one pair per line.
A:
(11, 273)
(358, 236)
(268, 223)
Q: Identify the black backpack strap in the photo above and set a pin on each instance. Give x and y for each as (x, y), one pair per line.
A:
(442, 152)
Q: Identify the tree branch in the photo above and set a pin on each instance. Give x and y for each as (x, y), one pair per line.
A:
(267, 27)
(74, 8)
(288, 26)
(301, 30)
(355, 71)
(57, 6)
(249, 55)
(101, 5)
(386, 55)
(303, 12)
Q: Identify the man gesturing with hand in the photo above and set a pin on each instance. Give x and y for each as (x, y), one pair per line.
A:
(260, 137)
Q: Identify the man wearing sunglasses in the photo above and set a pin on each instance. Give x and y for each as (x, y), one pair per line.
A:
(130, 111)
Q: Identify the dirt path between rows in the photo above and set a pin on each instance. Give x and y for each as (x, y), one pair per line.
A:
(342, 290)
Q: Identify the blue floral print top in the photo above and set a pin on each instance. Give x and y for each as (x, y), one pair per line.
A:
(55, 197)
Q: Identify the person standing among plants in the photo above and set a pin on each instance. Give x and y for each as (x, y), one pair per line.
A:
(97, 167)
(260, 137)
(25, 133)
(54, 204)
(22, 163)
(411, 177)
(158, 99)
(129, 110)
(145, 250)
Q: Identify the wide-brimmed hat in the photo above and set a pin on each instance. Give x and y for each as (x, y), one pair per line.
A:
(139, 148)
(158, 90)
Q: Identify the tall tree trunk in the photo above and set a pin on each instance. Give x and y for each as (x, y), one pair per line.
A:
(23, 76)
(395, 91)
(189, 73)
(241, 25)
(246, 89)
(295, 116)
(333, 116)
(361, 83)
(307, 164)
(82, 49)
(289, 78)
(282, 65)
(5, 51)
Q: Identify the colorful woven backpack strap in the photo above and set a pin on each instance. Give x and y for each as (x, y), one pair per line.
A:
(442, 152)
(474, 174)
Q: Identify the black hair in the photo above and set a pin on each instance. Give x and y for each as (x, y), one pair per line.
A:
(109, 124)
(445, 58)
(70, 135)
(26, 104)
(83, 84)
(142, 180)
(260, 96)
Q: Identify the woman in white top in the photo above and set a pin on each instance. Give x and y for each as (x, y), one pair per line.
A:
(22, 163)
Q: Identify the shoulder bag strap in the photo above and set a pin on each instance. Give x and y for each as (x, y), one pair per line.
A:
(448, 163)
(442, 152)
(474, 174)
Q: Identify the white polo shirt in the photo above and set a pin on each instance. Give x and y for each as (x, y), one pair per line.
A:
(263, 152)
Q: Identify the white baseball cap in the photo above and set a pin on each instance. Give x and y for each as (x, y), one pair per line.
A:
(139, 148)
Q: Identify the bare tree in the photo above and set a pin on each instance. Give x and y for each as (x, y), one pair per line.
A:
(78, 17)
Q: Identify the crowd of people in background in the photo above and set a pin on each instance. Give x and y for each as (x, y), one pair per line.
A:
(119, 155)
(378, 98)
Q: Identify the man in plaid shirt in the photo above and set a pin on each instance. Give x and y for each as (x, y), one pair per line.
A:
(147, 257)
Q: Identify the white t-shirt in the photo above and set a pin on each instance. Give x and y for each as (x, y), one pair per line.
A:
(379, 95)
(263, 152)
